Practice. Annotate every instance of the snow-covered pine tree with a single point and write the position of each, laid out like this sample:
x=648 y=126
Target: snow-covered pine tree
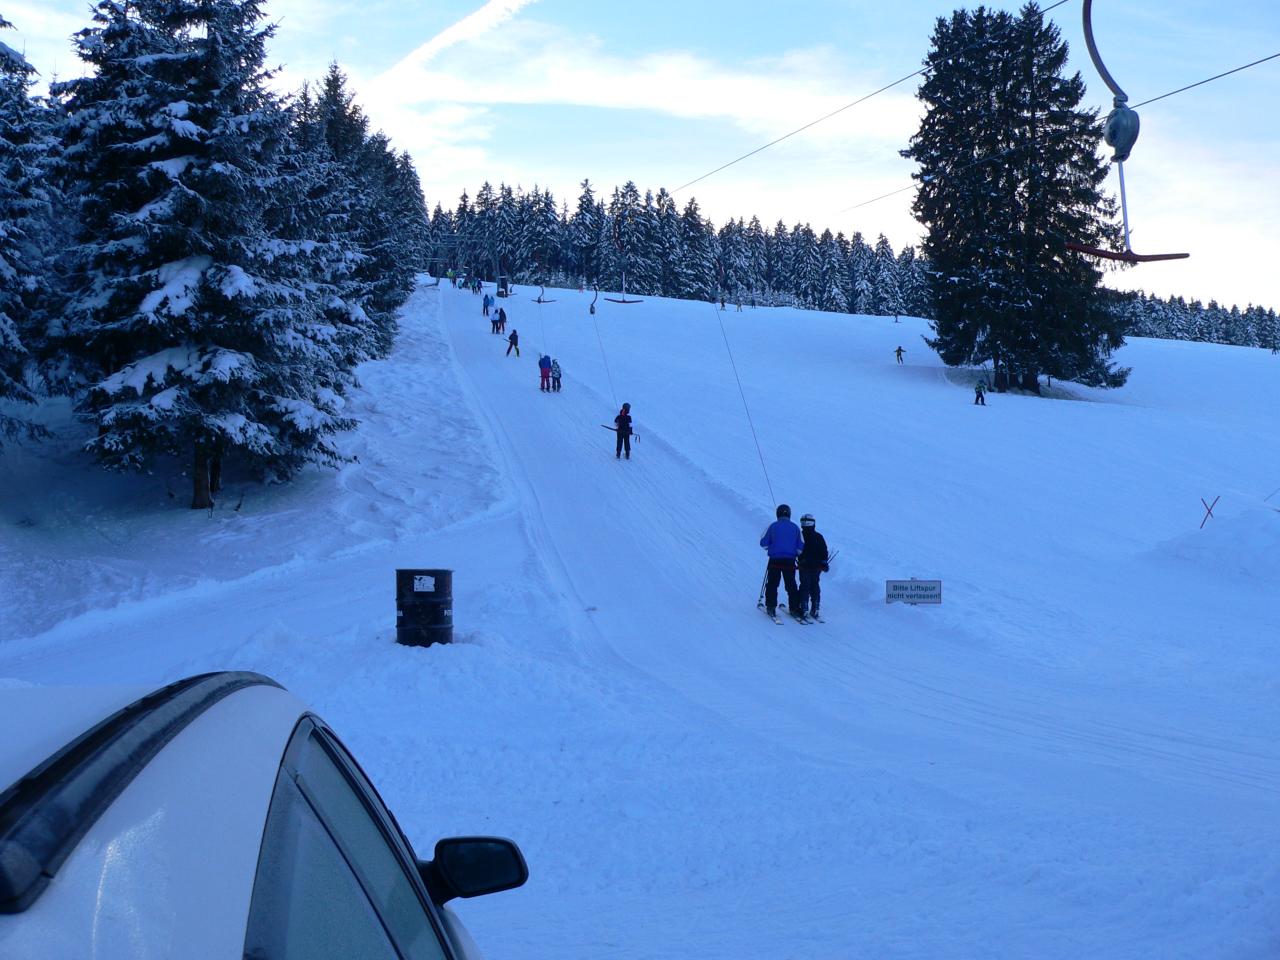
x=807 y=269
x=26 y=220
x=444 y=241
x=584 y=236
x=409 y=215
x=735 y=260
x=831 y=275
x=696 y=276
x=308 y=208
x=544 y=236
x=781 y=276
x=382 y=220
x=666 y=240
x=913 y=283
x=193 y=325
x=481 y=240
x=758 y=251
x=887 y=295
x=640 y=226
x=504 y=235
x=626 y=235
x=1006 y=289
x=467 y=251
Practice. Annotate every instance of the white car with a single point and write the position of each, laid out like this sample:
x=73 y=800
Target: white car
x=215 y=817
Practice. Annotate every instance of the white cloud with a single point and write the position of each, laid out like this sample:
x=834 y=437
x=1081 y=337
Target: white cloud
x=531 y=63
x=471 y=27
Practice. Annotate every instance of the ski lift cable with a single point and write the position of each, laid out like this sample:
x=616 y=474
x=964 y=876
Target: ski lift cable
x=847 y=106
x=743 y=395
x=1200 y=83
x=604 y=356
x=1001 y=153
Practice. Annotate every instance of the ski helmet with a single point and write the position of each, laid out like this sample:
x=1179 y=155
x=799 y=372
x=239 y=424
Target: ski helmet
x=784 y=511
x=807 y=520
x=626 y=407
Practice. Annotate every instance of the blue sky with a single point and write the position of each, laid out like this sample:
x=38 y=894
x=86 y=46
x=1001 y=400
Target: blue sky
x=552 y=91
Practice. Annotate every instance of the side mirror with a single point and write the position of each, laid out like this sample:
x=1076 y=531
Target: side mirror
x=472 y=867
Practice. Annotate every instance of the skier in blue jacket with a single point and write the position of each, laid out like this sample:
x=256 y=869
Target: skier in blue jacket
x=783 y=541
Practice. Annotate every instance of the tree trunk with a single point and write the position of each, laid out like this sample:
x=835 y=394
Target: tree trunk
x=215 y=473
x=201 y=495
x=1030 y=380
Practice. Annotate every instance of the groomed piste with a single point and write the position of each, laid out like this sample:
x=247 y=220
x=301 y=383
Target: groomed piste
x=1072 y=756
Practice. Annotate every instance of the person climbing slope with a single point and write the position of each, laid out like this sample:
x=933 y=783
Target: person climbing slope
x=783 y=543
x=623 y=423
x=812 y=562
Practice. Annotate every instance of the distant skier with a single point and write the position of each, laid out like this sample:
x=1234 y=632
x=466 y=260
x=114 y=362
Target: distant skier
x=555 y=376
x=783 y=542
x=486 y=303
x=813 y=564
x=502 y=320
x=722 y=301
x=623 y=424
x=980 y=393
x=513 y=343
x=898 y=353
x=544 y=373
x=493 y=322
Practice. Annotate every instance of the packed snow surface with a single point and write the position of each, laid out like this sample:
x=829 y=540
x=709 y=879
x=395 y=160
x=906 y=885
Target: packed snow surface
x=1075 y=755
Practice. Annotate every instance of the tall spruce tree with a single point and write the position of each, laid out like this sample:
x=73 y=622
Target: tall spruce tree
x=191 y=323
x=584 y=236
x=696 y=275
x=26 y=216
x=1008 y=172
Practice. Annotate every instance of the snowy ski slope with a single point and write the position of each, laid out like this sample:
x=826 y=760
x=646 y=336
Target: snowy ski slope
x=1075 y=755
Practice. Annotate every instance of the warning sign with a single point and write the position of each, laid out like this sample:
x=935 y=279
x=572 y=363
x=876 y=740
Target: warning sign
x=913 y=591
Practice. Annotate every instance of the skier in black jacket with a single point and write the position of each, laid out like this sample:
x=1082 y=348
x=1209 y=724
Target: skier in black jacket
x=813 y=563
x=623 y=423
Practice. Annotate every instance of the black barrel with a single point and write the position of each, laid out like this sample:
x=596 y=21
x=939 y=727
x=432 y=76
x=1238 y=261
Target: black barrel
x=424 y=607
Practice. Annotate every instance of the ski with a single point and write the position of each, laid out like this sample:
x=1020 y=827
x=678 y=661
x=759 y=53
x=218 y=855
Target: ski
x=799 y=619
x=772 y=616
x=816 y=618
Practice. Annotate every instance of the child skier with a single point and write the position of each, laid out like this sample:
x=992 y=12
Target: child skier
x=980 y=393
x=513 y=343
x=544 y=373
x=623 y=422
x=555 y=376
x=898 y=353
x=783 y=542
x=813 y=564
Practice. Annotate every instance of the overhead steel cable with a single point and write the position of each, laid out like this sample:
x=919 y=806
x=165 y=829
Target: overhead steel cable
x=1201 y=83
x=743 y=394
x=1002 y=153
x=847 y=106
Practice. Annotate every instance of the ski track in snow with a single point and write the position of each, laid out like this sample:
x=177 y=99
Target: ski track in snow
x=1072 y=755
